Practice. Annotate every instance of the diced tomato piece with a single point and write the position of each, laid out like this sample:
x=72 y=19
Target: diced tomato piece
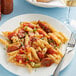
x=18 y=58
x=23 y=48
x=31 y=26
x=21 y=51
x=50 y=51
x=41 y=32
x=28 y=24
x=12 y=48
x=31 y=33
x=40 y=55
x=47 y=62
x=21 y=33
x=52 y=44
x=32 y=39
x=28 y=45
x=10 y=35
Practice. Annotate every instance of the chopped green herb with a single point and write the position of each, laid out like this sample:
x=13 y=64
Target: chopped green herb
x=25 y=28
x=6 y=46
x=32 y=64
x=37 y=65
x=21 y=43
x=27 y=59
x=50 y=41
x=59 y=45
x=55 y=46
x=16 y=40
x=26 y=33
x=42 y=38
x=43 y=27
x=35 y=29
x=8 y=40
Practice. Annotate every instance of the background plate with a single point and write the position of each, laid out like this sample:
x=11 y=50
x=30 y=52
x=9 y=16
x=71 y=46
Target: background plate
x=52 y=4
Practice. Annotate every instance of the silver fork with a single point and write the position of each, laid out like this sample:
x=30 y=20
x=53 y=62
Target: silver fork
x=69 y=48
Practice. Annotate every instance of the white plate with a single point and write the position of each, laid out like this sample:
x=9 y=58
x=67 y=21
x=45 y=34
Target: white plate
x=53 y=3
x=12 y=24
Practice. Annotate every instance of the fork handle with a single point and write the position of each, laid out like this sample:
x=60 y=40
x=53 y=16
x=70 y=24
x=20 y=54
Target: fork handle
x=57 y=70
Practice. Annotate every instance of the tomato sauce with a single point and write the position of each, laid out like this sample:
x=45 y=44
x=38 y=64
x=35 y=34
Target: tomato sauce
x=28 y=24
x=40 y=55
x=44 y=27
x=10 y=35
x=51 y=51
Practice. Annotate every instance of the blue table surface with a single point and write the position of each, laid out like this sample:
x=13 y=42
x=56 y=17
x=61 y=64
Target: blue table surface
x=23 y=7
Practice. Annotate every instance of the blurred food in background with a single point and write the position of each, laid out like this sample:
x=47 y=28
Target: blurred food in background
x=43 y=0
x=69 y=2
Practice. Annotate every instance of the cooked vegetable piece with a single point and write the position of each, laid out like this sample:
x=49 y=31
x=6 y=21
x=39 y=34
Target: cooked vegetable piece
x=47 y=62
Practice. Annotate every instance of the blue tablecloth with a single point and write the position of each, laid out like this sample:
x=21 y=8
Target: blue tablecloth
x=22 y=7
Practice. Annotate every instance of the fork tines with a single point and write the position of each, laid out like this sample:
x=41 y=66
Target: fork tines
x=72 y=41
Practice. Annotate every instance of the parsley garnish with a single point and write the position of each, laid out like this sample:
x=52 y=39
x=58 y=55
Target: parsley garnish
x=43 y=27
x=50 y=41
x=6 y=46
x=21 y=43
x=25 y=28
x=42 y=38
x=26 y=33
x=27 y=59
x=35 y=29
x=59 y=45
x=55 y=46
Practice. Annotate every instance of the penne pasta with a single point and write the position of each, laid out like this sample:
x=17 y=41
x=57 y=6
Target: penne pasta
x=33 y=45
x=47 y=45
x=29 y=67
x=27 y=40
x=53 y=58
x=59 y=36
x=29 y=55
x=53 y=37
x=65 y=39
x=42 y=32
x=40 y=44
x=4 y=42
x=34 y=53
x=13 y=53
x=5 y=34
